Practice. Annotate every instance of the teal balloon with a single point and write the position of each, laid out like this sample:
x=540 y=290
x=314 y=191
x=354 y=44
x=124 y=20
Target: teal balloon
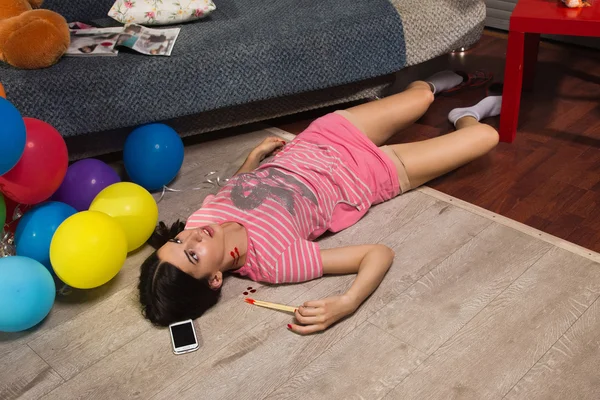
x=27 y=293
x=36 y=228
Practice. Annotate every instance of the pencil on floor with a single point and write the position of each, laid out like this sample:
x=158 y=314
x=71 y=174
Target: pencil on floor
x=274 y=306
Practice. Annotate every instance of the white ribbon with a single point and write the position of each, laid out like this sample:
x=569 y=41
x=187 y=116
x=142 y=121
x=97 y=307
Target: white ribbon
x=212 y=183
x=7 y=246
x=7 y=241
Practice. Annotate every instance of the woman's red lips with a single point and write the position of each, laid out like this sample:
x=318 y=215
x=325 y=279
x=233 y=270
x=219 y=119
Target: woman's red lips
x=208 y=230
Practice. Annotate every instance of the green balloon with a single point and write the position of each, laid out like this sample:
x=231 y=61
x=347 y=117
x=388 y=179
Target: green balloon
x=2 y=212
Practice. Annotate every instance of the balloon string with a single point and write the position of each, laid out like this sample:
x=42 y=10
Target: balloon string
x=218 y=182
x=7 y=247
x=64 y=290
x=7 y=240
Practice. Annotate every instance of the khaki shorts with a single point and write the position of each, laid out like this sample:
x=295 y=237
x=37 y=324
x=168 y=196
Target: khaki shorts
x=388 y=151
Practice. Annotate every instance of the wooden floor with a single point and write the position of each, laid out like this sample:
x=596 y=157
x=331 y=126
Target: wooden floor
x=475 y=306
x=549 y=178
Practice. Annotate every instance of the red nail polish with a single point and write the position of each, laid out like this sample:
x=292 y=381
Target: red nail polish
x=289 y=326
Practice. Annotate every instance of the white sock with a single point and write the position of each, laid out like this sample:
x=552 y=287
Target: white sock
x=488 y=107
x=444 y=80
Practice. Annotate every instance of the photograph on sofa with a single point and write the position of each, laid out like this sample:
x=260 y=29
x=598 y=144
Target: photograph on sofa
x=96 y=42
x=103 y=41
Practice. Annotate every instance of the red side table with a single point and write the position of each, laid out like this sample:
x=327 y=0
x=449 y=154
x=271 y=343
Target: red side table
x=529 y=19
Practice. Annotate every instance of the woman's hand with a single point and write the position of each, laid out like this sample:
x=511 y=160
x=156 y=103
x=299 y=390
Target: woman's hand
x=370 y=262
x=318 y=315
x=271 y=145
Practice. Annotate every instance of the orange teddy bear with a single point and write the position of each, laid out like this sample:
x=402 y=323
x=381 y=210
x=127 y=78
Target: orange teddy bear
x=31 y=38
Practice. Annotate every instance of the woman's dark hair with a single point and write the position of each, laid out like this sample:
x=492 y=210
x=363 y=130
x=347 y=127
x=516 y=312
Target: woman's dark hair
x=168 y=294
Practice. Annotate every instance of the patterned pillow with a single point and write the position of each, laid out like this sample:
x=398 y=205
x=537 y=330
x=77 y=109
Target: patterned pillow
x=160 y=12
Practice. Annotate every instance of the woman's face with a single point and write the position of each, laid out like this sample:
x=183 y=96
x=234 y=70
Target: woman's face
x=198 y=252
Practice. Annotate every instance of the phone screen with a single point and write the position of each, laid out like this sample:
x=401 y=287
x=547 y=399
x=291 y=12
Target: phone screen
x=183 y=335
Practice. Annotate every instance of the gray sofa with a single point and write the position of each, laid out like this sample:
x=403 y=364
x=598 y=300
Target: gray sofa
x=248 y=61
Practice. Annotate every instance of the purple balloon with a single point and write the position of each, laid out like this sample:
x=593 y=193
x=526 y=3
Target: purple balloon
x=83 y=181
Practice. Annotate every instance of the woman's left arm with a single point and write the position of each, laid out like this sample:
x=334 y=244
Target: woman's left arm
x=370 y=262
x=266 y=147
x=249 y=165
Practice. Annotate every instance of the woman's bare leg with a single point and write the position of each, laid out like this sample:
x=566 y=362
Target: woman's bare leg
x=380 y=119
x=428 y=159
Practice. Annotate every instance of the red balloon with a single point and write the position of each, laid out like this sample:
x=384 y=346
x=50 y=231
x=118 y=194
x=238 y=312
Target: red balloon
x=42 y=167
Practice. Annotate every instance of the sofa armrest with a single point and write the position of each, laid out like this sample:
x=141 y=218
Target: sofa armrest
x=433 y=28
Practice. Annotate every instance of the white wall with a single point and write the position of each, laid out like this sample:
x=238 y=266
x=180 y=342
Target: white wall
x=498 y=13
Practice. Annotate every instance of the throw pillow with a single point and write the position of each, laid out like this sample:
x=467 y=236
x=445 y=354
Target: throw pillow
x=160 y=12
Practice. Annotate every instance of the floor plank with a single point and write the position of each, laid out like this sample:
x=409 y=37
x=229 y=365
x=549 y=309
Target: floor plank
x=146 y=364
x=582 y=171
x=440 y=303
x=570 y=368
x=258 y=361
x=75 y=302
x=381 y=220
x=334 y=374
x=24 y=375
x=492 y=352
x=420 y=245
x=82 y=341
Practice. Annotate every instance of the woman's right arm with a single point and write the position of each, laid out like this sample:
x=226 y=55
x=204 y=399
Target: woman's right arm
x=369 y=262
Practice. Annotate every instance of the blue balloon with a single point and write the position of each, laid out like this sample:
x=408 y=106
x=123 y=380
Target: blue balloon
x=12 y=136
x=153 y=155
x=36 y=228
x=27 y=293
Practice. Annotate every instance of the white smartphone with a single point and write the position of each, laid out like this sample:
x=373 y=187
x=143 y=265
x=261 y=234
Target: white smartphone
x=183 y=337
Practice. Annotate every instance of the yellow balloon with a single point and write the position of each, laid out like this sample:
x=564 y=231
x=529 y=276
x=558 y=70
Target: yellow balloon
x=132 y=207
x=88 y=249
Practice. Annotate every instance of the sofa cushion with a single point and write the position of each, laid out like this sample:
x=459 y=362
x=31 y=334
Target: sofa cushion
x=80 y=10
x=245 y=51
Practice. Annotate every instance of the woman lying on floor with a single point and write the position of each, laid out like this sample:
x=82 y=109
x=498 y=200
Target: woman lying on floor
x=262 y=223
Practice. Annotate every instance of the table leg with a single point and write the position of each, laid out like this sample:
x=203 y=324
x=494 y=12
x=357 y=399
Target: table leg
x=513 y=80
x=532 y=44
